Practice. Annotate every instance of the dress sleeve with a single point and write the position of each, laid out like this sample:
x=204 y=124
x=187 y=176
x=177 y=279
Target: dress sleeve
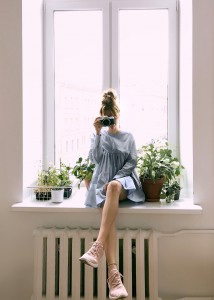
x=130 y=162
x=95 y=152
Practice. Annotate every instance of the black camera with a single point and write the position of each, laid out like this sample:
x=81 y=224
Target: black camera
x=107 y=121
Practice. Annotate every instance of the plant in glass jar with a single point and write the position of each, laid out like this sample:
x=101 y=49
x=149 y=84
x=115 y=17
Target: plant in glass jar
x=43 y=190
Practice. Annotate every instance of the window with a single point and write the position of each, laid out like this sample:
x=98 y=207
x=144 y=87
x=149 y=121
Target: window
x=92 y=45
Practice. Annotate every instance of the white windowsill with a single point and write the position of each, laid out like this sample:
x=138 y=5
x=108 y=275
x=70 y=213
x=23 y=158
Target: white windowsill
x=76 y=204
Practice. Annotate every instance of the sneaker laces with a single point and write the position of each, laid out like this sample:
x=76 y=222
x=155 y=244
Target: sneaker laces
x=115 y=279
x=96 y=249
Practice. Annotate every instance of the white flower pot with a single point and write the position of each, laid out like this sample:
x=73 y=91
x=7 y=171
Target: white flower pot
x=57 y=196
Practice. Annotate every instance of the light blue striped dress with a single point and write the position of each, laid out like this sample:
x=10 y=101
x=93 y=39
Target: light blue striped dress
x=115 y=158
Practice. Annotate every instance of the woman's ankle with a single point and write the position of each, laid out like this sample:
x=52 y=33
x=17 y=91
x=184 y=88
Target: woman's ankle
x=100 y=242
x=111 y=266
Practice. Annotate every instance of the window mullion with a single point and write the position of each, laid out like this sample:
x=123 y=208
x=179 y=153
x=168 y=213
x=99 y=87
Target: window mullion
x=173 y=108
x=114 y=46
x=106 y=46
x=48 y=89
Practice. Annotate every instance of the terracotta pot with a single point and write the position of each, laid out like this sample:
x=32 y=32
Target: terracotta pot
x=87 y=183
x=152 y=188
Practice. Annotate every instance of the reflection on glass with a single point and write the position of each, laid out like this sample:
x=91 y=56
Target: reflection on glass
x=143 y=73
x=78 y=80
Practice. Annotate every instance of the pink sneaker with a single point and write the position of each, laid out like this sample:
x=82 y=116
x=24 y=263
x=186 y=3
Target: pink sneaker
x=93 y=255
x=116 y=288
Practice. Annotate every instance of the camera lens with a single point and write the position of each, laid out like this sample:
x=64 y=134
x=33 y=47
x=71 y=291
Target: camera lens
x=106 y=122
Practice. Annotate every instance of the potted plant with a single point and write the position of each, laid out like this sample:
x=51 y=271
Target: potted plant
x=43 y=190
x=177 y=188
x=171 y=190
x=83 y=170
x=60 y=182
x=54 y=179
x=65 y=176
x=156 y=165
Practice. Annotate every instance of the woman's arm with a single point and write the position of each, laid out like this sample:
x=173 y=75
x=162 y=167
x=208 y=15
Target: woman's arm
x=95 y=153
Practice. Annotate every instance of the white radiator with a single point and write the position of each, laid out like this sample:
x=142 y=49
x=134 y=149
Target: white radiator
x=58 y=273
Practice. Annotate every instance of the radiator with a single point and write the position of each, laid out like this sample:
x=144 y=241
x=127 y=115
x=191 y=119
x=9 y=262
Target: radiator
x=58 y=273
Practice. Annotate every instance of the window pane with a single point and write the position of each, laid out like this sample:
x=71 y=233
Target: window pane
x=78 y=80
x=143 y=71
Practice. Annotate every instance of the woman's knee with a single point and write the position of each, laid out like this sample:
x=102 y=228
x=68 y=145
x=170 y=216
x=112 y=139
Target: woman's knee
x=114 y=186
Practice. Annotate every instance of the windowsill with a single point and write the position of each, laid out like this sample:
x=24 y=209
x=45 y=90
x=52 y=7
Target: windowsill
x=76 y=204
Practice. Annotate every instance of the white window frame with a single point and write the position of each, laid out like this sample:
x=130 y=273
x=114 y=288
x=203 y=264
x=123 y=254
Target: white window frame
x=110 y=9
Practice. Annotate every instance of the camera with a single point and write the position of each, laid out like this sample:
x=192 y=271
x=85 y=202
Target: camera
x=107 y=121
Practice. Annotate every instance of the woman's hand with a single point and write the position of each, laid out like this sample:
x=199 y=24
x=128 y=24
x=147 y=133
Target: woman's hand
x=97 y=125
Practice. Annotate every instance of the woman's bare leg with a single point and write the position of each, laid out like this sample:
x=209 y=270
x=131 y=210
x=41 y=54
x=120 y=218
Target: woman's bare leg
x=115 y=192
x=106 y=240
x=111 y=240
x=116 y=288
x=110 y=247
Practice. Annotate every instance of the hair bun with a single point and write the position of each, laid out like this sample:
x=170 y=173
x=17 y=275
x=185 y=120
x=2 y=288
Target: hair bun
x=109 y=102
x=109 y=97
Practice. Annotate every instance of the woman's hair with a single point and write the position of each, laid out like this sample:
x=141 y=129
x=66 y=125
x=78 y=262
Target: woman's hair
x=110 y=104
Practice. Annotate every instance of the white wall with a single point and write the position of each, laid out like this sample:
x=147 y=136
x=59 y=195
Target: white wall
x=16 y=242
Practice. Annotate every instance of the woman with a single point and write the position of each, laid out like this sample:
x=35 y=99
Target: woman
x=114 y=153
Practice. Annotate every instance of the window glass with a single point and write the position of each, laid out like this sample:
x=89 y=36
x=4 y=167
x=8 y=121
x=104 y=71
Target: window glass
x=143 y=73
x=78 y=80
